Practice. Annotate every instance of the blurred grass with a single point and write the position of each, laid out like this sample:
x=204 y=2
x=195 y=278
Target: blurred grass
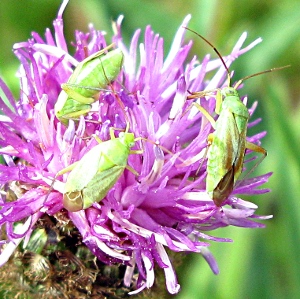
x=261 y=263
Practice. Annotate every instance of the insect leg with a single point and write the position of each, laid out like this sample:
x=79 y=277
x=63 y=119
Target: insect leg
x=75 y=95
x=258 y=149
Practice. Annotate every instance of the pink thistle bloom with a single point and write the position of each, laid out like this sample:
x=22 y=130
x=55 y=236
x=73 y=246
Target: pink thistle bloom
x=139 y=217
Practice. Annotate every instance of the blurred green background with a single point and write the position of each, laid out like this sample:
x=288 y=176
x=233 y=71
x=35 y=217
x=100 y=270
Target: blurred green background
x=261 y=263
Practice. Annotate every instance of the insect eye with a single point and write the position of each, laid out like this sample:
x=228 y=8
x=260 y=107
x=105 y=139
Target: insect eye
x=229 y=91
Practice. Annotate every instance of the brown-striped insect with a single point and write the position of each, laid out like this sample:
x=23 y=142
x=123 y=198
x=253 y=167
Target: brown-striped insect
x=227 y=144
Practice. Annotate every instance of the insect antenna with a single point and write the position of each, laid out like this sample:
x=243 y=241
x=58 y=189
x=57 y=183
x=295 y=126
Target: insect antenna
x=121 y=104
x=215 y=49
x=238 y=83
x=86 y=50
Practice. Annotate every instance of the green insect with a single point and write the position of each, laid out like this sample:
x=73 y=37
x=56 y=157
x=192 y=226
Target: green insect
x=97 y=171
x=96 y=71
x=227 y=144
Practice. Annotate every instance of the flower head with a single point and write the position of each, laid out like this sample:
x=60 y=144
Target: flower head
x=166 y=205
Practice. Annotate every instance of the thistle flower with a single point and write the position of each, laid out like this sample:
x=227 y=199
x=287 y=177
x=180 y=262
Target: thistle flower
x=166 y=206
